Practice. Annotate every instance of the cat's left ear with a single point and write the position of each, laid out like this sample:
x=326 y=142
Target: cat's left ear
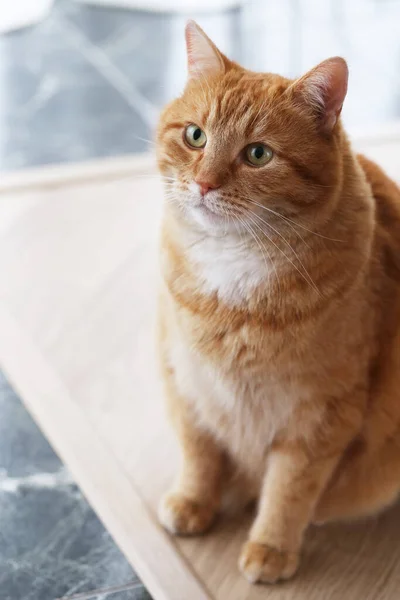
x=324 y=89
x=204 y=58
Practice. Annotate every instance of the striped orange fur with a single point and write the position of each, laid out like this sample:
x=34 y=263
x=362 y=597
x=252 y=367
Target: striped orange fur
x=279 y=310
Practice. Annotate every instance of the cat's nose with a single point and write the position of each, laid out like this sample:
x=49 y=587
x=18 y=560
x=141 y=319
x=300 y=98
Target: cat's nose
x=206 y=186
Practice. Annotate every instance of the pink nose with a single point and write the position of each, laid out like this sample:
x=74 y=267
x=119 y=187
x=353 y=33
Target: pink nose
x=206 y=186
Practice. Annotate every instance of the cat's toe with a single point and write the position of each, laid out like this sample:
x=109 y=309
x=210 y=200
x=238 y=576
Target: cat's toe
x=261 y=563
x=183 y=516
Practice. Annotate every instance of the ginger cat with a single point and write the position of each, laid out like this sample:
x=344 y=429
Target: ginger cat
x=279 y=320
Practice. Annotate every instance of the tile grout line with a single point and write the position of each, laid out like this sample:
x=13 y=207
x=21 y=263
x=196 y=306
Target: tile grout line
x=109 y=590
x=103 y=65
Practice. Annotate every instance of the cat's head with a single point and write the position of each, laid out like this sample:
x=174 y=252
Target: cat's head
x=239 y=146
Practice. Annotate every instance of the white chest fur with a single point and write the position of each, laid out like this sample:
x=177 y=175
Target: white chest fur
x=244 y=413
x=228 y=266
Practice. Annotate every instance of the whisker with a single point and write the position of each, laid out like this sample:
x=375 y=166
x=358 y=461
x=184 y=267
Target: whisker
x=285 y=241
x=274 y=212
x=308 y=279
x=289 y=224
x=258 y=241
x=273 y=265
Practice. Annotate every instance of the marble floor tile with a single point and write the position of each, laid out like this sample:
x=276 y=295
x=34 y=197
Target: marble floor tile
x=23 y=450
x=134 y=592
x=51 y=542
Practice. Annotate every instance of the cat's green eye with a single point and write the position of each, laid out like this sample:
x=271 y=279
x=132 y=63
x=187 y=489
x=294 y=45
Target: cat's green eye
x=258 y=155
x=195 y=137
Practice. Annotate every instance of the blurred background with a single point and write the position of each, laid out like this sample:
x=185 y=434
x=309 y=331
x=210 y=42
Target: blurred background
x=82 y=80
x=88 y=80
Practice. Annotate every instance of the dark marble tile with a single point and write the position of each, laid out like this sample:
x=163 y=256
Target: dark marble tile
x=136 y=593
x=51 y=542
x=23 y=450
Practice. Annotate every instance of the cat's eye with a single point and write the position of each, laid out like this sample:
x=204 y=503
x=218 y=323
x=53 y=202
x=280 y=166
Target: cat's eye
x=195 y=137
x=258 y=155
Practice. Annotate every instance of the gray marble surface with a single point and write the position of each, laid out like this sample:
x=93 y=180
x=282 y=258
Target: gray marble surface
x=52 y=545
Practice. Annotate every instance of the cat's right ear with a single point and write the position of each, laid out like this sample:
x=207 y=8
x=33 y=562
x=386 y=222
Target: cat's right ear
x=324 y=89
x=204 y=58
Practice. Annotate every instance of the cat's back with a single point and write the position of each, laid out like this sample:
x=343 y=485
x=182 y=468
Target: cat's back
x=387 y=202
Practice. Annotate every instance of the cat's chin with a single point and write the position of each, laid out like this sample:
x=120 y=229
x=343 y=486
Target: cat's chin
x=210 y=221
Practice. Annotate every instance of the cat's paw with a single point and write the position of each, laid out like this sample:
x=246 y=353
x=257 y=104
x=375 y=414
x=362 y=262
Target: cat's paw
x=182 y=516
x=264 y=564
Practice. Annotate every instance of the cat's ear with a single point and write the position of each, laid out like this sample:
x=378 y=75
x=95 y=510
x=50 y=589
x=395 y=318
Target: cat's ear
x=204 y=58
x=324 y=89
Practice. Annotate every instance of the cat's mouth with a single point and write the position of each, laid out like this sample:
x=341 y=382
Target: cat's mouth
x=210 y=209
x=208 y=213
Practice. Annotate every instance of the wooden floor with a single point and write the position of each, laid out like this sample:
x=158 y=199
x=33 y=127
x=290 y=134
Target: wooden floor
x=78 y=264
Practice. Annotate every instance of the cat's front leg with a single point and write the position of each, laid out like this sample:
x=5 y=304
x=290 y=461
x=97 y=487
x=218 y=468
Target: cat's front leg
x=291 y=489
x=191 y=506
